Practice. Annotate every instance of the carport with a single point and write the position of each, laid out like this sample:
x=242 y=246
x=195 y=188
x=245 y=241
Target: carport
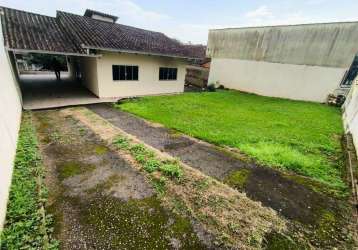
x=42 y=91
x=25 y=33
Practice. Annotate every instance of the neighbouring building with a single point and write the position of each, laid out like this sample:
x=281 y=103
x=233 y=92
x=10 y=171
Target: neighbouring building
x=114 y=60
x=302 y=62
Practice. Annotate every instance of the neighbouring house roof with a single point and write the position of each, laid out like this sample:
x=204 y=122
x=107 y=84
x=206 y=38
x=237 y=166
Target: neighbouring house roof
x=70 y=33
x=197 y=50
x=90 y=13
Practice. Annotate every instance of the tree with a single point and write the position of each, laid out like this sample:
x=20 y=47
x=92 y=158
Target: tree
x=45 y=60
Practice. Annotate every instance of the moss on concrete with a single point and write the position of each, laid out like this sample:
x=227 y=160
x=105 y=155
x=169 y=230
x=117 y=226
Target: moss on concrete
x=72 y=168
x=238 y=178
x=100 y=150
x=277 y=241
x=138 y=224
x=317 y=186
x=106 y=185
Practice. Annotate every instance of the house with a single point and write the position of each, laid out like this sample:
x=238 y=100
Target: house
x=302 y=62
x=114 y=60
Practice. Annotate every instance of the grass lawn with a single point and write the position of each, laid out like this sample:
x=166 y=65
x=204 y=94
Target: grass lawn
x=297 y=136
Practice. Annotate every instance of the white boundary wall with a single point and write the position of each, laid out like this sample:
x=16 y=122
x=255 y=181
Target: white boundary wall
x=350 y=113
x=10 y=118
x=298 y=82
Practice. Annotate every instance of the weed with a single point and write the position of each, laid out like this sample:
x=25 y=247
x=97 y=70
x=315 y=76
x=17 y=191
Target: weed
x=151 y=165
x=82 y=131
x=148 y=159
x=121 y=142
x=202 y=185
x=55 y=136
x=25 y=227
x=159 y=184
x=171 y=170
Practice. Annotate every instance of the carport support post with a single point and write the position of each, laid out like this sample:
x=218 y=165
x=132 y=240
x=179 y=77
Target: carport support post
x=71 y=61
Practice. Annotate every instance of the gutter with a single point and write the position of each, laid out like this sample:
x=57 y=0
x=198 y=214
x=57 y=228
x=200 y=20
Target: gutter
x=49 y=52
x=136 y=52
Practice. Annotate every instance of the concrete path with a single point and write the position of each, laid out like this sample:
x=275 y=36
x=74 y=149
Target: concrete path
x=43 y=91
x=99 y=200
x=273 y=188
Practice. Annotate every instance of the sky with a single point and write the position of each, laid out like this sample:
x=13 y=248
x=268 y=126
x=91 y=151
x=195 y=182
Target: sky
x=190 y=20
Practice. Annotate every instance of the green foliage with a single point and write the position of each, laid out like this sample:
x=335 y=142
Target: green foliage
x=148 y=159
x=171 y=169
x=151 y=165
x=25 y=227
x=121 y=142
x=45 y=60
x=298 y=136
x=159 y=184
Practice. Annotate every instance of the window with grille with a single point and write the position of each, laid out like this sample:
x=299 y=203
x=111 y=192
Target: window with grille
x=166 y=74
x=125 y=73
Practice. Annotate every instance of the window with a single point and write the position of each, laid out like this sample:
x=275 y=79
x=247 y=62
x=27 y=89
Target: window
x=168 y=74
x=125 y=73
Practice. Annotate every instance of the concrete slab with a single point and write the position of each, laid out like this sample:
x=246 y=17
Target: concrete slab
x=43 y=91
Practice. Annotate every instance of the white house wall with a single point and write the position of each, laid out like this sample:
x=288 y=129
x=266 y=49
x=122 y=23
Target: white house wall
x=88 y=67
x=10 y=118
x=298 y=82
x=148 y=75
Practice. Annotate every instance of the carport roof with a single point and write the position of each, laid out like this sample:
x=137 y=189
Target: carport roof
x=75 y=34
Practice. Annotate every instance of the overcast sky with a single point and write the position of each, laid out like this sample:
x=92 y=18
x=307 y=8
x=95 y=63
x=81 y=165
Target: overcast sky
x=190 y=20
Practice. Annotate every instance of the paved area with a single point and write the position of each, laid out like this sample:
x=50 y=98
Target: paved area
x=274 y=189
x=43 y=91
x=98 y=199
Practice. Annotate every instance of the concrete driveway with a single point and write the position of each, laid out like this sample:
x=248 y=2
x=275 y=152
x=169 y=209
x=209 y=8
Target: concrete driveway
x=41 y=91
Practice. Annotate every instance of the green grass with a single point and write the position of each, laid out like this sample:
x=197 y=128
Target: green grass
x=302 y=137
x=26 y=227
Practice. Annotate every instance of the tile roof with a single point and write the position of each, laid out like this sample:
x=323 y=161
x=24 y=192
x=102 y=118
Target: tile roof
x=70 y=33
x=96 y=34
x=28 y=31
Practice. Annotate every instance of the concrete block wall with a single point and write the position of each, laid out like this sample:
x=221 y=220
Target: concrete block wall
x=303 y=62
x=10 y=118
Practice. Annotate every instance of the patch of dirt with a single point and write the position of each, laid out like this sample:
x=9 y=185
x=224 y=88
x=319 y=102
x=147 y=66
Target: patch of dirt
x=303 y=206
x=98 y=199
